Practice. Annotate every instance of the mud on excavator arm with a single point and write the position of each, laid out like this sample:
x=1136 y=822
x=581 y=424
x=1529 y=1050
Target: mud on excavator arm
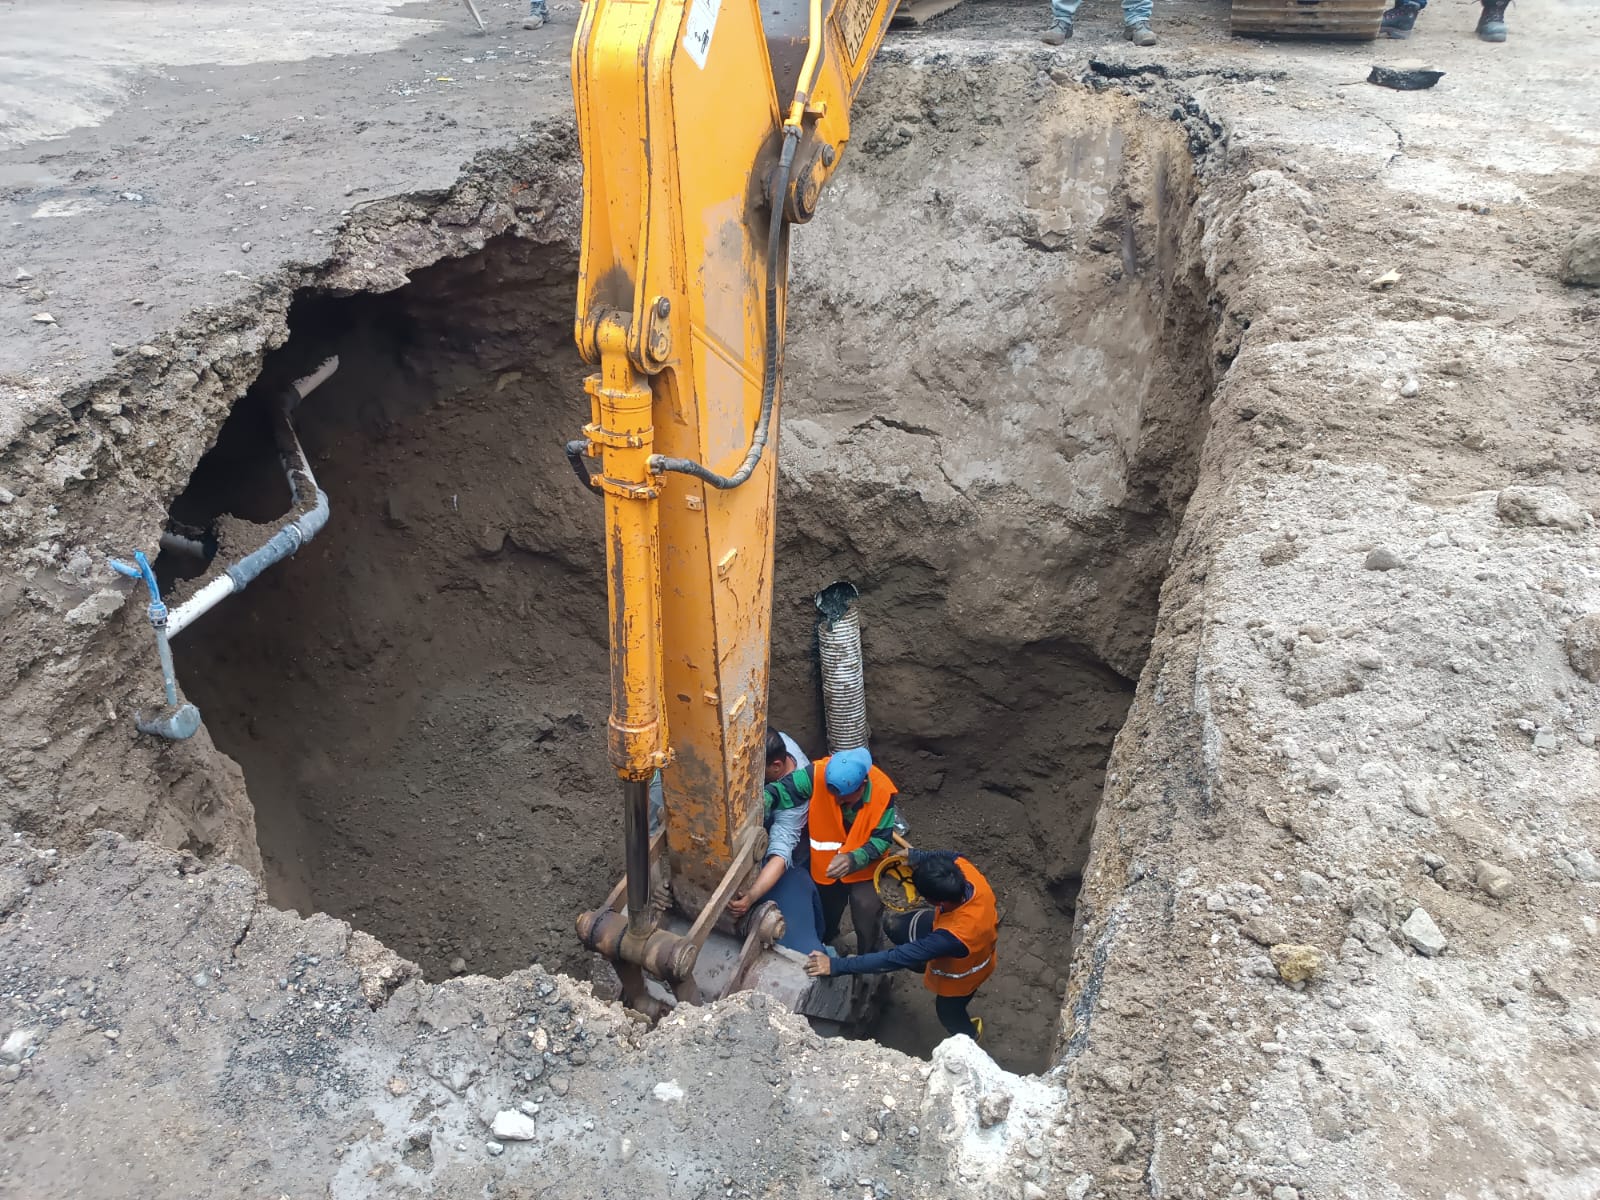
x=706 y=127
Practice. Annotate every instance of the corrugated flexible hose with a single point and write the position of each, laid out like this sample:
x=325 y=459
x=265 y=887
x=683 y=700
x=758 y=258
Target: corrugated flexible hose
x=844 y=689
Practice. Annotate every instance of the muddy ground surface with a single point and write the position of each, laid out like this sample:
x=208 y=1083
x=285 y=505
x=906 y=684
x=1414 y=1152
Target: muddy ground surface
x=1317 y=748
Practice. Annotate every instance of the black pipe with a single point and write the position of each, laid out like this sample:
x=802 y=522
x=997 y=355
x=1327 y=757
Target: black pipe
x=636 y=851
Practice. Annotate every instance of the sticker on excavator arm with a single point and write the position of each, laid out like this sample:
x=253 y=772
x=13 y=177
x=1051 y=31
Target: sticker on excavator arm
x=698 y=28
x=892 y=880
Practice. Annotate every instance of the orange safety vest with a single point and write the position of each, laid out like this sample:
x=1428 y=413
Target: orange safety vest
x=977 y=924
x=828 y=836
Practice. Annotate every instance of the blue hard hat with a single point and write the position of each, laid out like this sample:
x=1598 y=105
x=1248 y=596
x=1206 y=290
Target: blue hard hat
x=847 y=770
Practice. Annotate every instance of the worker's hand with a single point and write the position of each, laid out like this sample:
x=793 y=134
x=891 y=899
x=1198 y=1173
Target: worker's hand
x=819 y=964
x=740 y=904
x=840 y=866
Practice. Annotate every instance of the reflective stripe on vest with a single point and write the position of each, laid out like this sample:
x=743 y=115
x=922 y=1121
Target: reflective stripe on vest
x=962 y=974
x=816 y=845
x=975 y=923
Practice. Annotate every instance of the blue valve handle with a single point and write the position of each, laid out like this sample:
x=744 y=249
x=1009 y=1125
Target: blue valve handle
x=158 y=620
x=158 y=610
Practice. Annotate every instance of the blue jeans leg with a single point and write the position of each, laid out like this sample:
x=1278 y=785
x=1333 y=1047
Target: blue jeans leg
x=1136 y=12
x=796 y=897
x=1061 y=11
x=536 y=8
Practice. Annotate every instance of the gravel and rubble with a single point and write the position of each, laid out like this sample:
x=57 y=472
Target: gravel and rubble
x=318 y=1068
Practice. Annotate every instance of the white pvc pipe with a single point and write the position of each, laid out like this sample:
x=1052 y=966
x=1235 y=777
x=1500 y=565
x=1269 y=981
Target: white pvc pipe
x=197 y=605
x=292 y=536
x=304 y=387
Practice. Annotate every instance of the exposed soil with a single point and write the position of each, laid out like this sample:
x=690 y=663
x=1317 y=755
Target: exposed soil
x=418 y=700
x=419 y=705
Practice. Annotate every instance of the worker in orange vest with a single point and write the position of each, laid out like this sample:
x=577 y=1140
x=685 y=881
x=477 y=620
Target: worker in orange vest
x=851 y=825
x=953 y=941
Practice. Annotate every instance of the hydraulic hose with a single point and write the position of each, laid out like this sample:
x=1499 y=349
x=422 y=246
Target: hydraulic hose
x=769 y=381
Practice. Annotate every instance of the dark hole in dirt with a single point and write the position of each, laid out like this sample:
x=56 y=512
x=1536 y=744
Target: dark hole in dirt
x=993 y=443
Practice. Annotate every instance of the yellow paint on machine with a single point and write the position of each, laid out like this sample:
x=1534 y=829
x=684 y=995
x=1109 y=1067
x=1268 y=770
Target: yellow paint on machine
x=681 y=124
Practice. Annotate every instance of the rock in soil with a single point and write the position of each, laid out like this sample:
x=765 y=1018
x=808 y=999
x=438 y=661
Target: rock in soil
x=1540 y=506
x=1297 y=963
x=512 y=1126
x=1583 y=646
x=17 y=1044
x=1495 y=880
x=1419 y=929
x=1580 y=265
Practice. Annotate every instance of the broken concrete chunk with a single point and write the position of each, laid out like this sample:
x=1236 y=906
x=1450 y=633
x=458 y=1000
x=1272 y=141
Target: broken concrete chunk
x=1370 y=904
x=1584 y=867
x=1494 y=879
x=668 y=1092
x=1311 y=884
x=1540 y=506
x=1583 y=646
x=1263 y=932
x=1424 y=936
x=993 y=1107
x=1580 y=265
x=1297 y=963
x=512 y=1126
x=1321 y=779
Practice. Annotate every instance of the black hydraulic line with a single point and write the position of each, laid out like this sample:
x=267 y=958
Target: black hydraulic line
x=769 y=382
x=577 y=451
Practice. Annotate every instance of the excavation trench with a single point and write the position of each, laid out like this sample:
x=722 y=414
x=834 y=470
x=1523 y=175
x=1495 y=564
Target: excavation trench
x=996 y=385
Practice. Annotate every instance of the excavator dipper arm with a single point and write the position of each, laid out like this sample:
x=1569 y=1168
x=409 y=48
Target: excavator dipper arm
x=707 y=127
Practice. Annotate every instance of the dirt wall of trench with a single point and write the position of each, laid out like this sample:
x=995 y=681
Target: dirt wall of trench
x=994 y=440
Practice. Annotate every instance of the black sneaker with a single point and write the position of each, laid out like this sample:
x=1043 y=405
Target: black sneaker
x=1400 y=20
x=1492 y=24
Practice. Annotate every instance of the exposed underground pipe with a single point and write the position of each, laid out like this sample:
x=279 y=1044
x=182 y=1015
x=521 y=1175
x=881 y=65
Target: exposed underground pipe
x=176 y=722
x=304 y=489
x=179 y=544
x=844 y=688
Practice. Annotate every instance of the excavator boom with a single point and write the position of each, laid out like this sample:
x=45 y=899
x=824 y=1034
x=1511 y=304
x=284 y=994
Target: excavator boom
x=705 y=131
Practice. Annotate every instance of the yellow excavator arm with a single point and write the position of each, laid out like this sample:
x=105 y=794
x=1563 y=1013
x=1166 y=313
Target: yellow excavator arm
x=707 y=127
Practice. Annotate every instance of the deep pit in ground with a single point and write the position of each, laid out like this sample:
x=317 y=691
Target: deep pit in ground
x=996 y=387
